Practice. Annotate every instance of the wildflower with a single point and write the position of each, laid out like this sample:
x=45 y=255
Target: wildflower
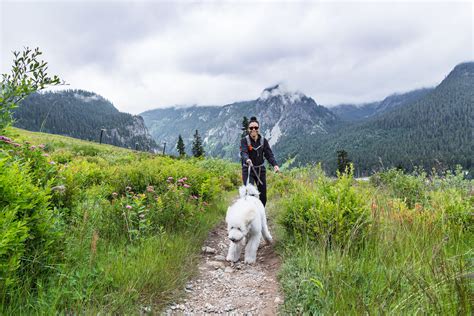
x=45 y=155
x=16 y=144
x=128 y=207
x=142 y=216
x=150 y=189
x=205 y=203
x=42 y=146
x=114 y=194
x=33 y=147
x=128 y=188
x=52 y=162
x=186 y=185
x=181 y=180
x=170 y=178
x=185 y=178
x=5 y=139
x=194 y=197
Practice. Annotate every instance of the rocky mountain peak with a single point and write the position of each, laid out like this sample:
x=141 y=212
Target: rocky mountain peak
x=281 y=93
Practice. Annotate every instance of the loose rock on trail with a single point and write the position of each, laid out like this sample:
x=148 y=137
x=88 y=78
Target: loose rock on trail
x=222 y=287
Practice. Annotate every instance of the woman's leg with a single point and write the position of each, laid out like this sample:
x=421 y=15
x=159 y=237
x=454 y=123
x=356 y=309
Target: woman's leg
x=262 y=188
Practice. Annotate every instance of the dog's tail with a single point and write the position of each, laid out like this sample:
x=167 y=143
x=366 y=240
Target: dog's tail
x=265 y=232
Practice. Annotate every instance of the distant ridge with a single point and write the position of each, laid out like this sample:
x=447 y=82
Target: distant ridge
x=82 y=114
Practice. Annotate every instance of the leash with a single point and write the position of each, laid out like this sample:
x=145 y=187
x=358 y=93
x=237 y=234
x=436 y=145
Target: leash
x=251 y=167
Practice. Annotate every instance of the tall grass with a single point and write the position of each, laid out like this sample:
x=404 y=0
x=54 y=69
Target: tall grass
x=130 y=225
x=416 y=256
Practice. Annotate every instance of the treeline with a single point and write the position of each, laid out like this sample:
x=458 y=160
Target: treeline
x=436 y=131
x=83 y=115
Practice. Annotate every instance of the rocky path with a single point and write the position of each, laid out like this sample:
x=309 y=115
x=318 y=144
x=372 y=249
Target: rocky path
x=231 y=289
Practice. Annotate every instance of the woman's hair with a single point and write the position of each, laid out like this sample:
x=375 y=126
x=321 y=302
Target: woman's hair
x=254 y=119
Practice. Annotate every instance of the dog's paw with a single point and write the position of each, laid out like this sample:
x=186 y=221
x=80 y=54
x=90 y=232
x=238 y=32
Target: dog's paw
x=231 y=259
x=250 y=260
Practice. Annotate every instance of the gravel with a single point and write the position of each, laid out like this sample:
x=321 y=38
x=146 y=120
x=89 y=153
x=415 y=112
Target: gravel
x=231 y=288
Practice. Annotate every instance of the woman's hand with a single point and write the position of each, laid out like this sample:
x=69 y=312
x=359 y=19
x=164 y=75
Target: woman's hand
x=249 y=162
x=276 y=169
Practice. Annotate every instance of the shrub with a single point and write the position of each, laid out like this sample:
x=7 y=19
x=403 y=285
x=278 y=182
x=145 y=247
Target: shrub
x=332 y=211
x=411 y=188
x=30 y=229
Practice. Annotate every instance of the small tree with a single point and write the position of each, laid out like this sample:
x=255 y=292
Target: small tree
x=245 y=126
x=28 y=75
x=198 y=150
x=343 y=162
x=180 y=147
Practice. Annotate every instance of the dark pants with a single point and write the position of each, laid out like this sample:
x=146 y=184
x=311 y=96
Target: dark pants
x=262 y=188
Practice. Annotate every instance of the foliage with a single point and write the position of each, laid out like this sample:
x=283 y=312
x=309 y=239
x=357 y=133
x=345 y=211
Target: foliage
x=198 y=149
x=416 y=255
x=82 y=114
x=180 y=147
x=447 y=194
x=32 y=229
x=434 y=130
x=328 y=210
x=343 y=161
x=71 y=210
x=28 y=75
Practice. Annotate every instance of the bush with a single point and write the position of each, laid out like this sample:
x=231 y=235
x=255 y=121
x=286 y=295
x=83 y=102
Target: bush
x=411 y=188
x=332 y=211
x=30 y=230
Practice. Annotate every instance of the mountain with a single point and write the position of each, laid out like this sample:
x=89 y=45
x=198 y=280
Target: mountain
x=83 y=114
x=436 y=130
x=354 y=112
x=431 y=127
x=281 y=113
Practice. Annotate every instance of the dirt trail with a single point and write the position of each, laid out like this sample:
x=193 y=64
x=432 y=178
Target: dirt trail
x=232 y=289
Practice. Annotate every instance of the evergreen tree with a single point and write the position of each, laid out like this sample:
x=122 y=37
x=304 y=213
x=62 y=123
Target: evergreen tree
x=180 y=147
x=198 y=150
x=343 y=161
x=245 y=126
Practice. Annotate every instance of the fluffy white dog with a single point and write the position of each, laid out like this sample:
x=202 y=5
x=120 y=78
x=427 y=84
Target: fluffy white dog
x=246 y=221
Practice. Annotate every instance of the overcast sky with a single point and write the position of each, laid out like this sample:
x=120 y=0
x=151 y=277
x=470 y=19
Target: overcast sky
x=150 y=54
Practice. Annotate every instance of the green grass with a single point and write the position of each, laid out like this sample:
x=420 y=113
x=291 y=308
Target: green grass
x=413 y=260
x=111 y=259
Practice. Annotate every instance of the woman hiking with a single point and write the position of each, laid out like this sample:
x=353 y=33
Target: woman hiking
x=253 y=149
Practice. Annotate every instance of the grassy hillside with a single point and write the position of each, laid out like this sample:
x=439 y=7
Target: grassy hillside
x=89 y=228
x=399 y=244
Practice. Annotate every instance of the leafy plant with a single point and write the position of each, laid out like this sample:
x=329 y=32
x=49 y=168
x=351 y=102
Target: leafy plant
x=28 y=75
x=331 y=211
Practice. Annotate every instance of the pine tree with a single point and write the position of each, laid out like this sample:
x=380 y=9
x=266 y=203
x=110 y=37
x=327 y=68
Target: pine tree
x=180 y=147
x=198 y=150
x=343 y=162
x=245 y=126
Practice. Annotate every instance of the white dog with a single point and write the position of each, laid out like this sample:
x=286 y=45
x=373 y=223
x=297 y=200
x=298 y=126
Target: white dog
x=246 y=220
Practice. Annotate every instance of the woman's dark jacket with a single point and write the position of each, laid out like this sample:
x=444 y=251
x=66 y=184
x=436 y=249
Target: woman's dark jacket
x=256 y=155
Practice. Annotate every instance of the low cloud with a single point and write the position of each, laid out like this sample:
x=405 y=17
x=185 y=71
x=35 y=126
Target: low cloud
x=156 y=54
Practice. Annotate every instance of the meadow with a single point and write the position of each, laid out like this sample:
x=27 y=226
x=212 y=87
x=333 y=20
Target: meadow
x=89 y=228
x=398 y=244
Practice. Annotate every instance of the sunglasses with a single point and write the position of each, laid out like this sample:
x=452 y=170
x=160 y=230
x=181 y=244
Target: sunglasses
x=253 y=128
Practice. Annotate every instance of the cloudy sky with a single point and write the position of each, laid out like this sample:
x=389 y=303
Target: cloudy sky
x=150 y=54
